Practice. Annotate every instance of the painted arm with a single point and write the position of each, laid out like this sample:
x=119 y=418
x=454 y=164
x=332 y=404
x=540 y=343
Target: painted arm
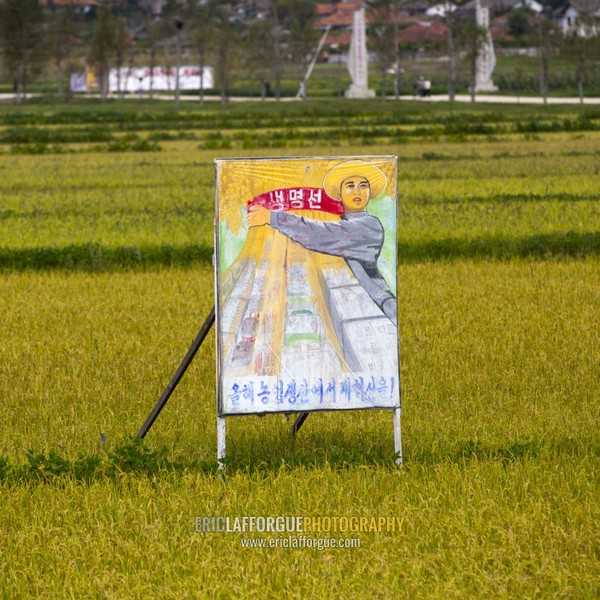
x=359 y=239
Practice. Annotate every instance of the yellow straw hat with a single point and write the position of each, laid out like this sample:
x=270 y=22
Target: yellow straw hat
x=354 y=168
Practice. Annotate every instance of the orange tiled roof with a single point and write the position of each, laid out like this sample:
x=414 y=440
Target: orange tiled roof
x=71 y=2
x=423 y=32
x=336 y=15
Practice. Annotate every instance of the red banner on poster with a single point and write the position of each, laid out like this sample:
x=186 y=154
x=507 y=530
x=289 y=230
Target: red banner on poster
x=298 y=198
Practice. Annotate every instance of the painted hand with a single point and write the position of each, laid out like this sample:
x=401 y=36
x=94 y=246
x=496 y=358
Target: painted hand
x=258 y=216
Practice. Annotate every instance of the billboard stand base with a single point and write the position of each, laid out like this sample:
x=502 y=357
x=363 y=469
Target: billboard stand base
x=221 y=444
x=397 y=437
x=221 y=428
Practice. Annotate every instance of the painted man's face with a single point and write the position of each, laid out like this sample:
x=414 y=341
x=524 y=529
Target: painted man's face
x=355 y=192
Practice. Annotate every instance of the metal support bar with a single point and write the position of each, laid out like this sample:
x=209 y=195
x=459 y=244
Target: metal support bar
x=298 y=423
x=302 y=91
x=185 y=363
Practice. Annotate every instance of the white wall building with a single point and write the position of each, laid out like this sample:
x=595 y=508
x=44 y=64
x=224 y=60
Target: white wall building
x=580 y=16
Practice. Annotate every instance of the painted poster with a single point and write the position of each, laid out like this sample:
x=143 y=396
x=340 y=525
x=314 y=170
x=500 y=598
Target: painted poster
x=306 y=284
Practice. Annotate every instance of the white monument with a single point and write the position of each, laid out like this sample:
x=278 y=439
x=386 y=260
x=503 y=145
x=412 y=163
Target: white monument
x=486 y=58
x=358 y=59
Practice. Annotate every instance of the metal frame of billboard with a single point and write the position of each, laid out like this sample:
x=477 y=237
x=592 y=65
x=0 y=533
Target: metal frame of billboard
x=246 y=360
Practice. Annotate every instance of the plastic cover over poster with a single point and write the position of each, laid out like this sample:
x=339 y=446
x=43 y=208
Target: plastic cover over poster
x=306 y=289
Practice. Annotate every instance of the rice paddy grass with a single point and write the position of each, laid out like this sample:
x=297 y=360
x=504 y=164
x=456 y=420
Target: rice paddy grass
x=106 y=277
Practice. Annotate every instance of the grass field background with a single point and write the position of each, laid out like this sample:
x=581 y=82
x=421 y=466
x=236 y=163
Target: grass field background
x=106 y=278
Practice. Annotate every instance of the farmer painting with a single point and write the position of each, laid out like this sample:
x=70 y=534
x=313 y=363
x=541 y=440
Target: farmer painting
x=357 y=237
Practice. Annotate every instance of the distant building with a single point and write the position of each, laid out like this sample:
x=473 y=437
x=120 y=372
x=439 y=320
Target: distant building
x=155 y=6
x=440 y=10
x=532 y=5
x=83 y=5
x=338 y=16
x=579 y=16
x=499 y=7
x=499 y=27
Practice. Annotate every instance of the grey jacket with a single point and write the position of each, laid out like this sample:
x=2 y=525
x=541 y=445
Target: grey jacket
x=357 y=238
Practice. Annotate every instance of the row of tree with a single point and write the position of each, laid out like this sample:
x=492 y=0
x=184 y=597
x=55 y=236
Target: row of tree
x=465 y=40
x=212 y=32
x=215 y=32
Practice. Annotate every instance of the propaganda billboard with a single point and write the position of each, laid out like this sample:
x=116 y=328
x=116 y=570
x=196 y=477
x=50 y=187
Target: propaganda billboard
x=306 y=262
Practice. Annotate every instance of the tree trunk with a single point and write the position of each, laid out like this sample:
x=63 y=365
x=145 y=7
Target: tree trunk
x=580 y=65
x=277 y=49
x=223 y=73
x=178 y=67
x=129 y=70
x=544 y=44
x=59 y=78
x=18 y=98
x=201 y=92
x=152 y=66
x=339 y=74
x=278 y=78
x=397 y=73
x=24 y=82
x=168 y=62
x=473 y=74
x=451 y=63
x=544 y=76
x=103 y=82
x=262 y=75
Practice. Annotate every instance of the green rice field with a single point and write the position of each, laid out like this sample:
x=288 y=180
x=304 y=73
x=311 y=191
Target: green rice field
x=106 y=241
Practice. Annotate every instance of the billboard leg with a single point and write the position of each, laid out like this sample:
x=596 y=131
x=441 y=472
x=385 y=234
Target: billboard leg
x=185 y=363
x=298 y=423
x=397 y=437
x=221 y=442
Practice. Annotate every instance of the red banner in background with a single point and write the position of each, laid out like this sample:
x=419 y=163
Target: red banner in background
x=298 y=198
